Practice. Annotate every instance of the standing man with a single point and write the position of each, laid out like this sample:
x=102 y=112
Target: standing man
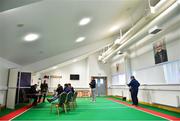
x=92 y=85
x=44 y=89
x=134 y=85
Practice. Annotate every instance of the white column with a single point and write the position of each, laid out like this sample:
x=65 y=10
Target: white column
x=12 y=86
x=128 y=72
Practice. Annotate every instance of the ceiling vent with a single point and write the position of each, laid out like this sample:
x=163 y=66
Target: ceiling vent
x=155 y=30
x=119 y=53
x=153 y=2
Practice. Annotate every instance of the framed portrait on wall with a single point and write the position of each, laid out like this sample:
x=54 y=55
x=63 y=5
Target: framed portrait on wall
x=160 y=52
x=117 y=67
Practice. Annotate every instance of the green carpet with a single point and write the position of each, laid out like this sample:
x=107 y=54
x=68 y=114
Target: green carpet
x=153 y=108
x=102 y=109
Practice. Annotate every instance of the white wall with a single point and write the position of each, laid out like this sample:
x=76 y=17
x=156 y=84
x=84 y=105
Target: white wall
x=155 y=88
x=85 y=68
x=116 y=60
x=117 y=68
x=79 y=67
x=96 y=68
x=144 y=66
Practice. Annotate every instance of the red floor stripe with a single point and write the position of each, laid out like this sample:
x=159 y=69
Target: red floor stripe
x=15 y=113
x=172 y=118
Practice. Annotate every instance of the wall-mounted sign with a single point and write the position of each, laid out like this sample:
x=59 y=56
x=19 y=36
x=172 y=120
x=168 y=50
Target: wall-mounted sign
x=55 y=76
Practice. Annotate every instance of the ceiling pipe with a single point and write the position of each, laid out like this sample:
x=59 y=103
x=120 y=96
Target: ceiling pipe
x=114 y=46
x=142 y=22
x=156 y=7
x=134 y=31
x=170 y=13
x=172 y=25
x=108 y=51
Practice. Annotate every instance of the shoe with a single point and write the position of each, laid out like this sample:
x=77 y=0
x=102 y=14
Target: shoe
x=136 y=105
x=34 y=104
x=49 y=100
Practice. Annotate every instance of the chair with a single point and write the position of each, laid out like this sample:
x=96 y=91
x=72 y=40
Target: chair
x=61 y=102
x=25 y=97
x=74 y=103
x=69 y=100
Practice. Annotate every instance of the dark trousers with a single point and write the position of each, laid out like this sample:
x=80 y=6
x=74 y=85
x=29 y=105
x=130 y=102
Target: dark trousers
x=35 y=98
x=44 y=96
x=134 y=94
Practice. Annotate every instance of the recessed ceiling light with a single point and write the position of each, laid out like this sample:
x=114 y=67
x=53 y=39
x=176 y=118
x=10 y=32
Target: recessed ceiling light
x=84 y=21
x=31 y=37
x=55 y=67
x=75 y=60
x=114 y=28
x=80 y=39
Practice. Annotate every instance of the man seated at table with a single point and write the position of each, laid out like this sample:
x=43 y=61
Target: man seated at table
x=71 y=88
x=33 y=93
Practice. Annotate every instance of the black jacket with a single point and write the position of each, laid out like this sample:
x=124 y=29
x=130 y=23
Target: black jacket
x=44 y=87
x=161 y=57
x=32 y=90
x=134 y=84
x=59 y=90
x=92 y=84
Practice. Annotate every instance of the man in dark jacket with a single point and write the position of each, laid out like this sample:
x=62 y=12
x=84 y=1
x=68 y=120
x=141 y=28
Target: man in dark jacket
x=33 y=94
x=134 y=85
x=92 y=85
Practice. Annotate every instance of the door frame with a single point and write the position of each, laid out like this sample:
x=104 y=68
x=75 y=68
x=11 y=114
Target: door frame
x=105 y=78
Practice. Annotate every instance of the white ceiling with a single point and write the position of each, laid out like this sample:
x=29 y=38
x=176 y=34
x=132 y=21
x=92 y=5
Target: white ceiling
x=57 y=23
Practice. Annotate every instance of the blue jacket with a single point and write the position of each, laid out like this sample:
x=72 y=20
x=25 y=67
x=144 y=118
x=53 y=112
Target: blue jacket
x=67 y=89
x=134 y=84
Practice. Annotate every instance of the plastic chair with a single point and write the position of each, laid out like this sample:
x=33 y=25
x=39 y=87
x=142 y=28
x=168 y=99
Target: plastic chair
x=69 y=100
x=61 y=102
x=74 y=103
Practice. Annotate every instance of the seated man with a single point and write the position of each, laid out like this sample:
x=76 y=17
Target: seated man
x=33 y=94
x=59 y=90
x=67 y=89
x=71 y=88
